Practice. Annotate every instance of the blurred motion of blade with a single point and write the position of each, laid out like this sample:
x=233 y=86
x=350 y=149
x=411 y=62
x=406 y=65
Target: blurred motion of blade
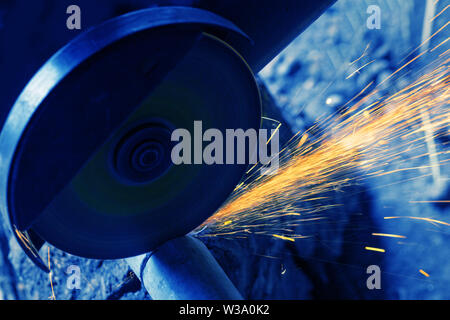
x=80 y=200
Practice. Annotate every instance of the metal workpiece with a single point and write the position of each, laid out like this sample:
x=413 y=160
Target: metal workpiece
x=183 y=269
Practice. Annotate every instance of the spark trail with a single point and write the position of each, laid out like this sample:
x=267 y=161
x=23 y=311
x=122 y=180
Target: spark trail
x=371 y=137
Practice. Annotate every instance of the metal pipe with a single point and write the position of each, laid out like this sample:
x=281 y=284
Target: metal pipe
x=183 y=269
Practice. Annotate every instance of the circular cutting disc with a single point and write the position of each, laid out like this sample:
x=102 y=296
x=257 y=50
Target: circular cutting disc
x=101 y=156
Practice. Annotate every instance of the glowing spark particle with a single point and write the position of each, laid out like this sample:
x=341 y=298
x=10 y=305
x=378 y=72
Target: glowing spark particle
x=25 y=241
x=388 y=235
x=283 y=270
x=420 y=218
x=442 y=11
x=359 y=94
x=440 y=44
x=50 y=276
x=238 y=186
x=427 y=40
x=273 y=134
x=375 y=249
x=283 y=238
x=302 y=140
x=362 y=56
x=424 y=273
x=431 y=201
x=404 y=66
x=374 y=138
x=359 y=69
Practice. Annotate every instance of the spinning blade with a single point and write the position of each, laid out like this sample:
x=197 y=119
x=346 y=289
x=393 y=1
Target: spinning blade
x=87 y=143
x=102 y=214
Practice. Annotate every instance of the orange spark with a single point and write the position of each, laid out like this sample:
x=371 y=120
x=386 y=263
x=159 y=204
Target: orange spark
x=375 y=249
x=388 y=235
x=368 y=137
x=283 y=237
x=50 y=276
x=442 y=11
x=421 y=218
x=424 y=273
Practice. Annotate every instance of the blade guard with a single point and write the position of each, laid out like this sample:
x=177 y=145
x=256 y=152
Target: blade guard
x=189 y=24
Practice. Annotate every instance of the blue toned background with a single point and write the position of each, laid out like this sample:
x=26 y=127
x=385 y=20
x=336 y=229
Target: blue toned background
x=306 y=81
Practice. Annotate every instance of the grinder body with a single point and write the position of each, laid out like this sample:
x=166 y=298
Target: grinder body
x=64 y=179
